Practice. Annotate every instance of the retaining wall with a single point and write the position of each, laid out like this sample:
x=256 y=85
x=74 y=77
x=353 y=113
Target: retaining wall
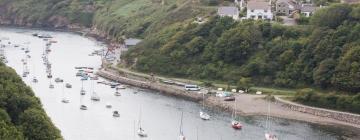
x=163 y=88
x=338 y=115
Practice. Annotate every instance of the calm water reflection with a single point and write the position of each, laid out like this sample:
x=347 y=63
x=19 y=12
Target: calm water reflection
x=160 y=114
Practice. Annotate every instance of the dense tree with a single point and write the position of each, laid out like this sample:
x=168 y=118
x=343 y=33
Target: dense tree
x=323 y=54
x=21 y=115
x=332 y=16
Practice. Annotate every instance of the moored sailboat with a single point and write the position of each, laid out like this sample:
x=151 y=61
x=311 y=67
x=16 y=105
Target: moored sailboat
x=82 y=91
x=117 y=93
x=203 y=114
x=269 y=135
x=235 y=123
x=181 y=135
x=141 y=132
x=64 y=98
x=94 y=96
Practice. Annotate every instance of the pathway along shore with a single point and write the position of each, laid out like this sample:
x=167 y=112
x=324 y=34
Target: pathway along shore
x=247 y=104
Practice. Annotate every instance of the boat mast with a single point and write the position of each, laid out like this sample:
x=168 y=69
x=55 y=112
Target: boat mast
x=134 y=129
x=234 y=111
x=268 y=117
x=181 y=124
x=139 y=123
x=203 y=101
x=92 y=88
x=197 y=133
x=63 y=93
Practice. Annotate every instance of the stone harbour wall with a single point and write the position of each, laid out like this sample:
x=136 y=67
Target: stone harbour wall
x=163 y=88
x=337 y=115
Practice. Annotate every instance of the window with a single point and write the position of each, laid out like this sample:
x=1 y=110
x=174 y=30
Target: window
x=265 y=11
x=252 y=10
x=252 y=17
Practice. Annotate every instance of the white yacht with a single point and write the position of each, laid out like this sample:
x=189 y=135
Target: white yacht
x=117 y=93
x=141 y=132
x=204 y=115
x=65 y=100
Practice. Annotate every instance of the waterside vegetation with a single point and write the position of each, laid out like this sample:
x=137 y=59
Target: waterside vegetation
x=21 y=113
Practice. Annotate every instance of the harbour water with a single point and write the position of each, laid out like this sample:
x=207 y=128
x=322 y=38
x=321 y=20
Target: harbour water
x=160 y=114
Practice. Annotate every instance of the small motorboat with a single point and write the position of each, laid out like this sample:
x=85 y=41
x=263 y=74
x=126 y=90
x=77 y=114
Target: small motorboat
x=35 y=80
x=83 y=107
x=68 y=85
x=58 y=80
x=45 y=36
x=84 y=78
x=95 y=97
x=236 y=124
x=116 y=114
x=269 y=136
x=121 y=87
x=89 y=71
x=108 y=105
x=231 y=98
x=65 y=100
x=24 y=74
x=141 y=132
x=79 y=74
x=117 y=93
x=51 y=86
x=94 y=78
x=204 y=116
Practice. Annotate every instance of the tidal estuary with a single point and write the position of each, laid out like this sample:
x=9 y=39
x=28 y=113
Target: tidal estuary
x=160 y=115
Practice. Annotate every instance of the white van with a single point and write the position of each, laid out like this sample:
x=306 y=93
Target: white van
x=192 y=88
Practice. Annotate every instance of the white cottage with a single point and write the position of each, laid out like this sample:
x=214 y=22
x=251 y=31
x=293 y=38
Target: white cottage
x=259 y=10
x=308 y=9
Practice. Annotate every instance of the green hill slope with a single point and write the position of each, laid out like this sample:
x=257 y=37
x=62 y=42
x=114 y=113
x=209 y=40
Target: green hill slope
x=112 y=18
x=324 y=54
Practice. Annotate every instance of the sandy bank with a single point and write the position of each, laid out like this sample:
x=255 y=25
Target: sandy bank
x=247 y=104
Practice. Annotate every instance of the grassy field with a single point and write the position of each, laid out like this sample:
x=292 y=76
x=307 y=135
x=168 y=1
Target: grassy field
x=139 y=18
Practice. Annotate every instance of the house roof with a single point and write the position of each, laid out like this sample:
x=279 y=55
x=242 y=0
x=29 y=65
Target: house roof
x=308 y=8
x=228 y=10
x=350 y=1
x=290 y=2
x=132 y=41
x=253 y=4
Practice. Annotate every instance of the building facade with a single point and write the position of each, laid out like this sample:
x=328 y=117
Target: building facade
x=286 y=7
x=258 y=10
